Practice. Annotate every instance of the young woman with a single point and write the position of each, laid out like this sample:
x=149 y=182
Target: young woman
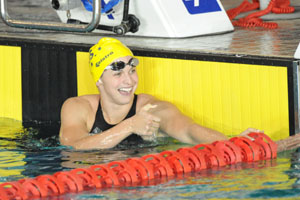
x=117 y=114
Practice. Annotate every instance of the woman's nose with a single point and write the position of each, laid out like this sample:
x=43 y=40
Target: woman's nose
x=127 y=78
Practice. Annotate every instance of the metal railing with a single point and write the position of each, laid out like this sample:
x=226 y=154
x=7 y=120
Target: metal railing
x=53 y=26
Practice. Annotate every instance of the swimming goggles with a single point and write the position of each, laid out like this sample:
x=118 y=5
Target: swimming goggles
x=116 y=66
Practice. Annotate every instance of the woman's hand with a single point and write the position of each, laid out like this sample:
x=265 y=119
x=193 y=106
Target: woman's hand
x=250 y=130
x=144 y=123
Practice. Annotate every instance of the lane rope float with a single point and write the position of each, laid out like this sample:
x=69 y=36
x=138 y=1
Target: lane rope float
x=138 y=171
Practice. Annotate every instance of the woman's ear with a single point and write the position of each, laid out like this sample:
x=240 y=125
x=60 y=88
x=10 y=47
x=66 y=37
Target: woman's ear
x=99 y=82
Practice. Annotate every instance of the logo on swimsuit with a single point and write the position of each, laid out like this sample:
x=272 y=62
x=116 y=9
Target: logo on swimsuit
x=96 y=130
x=201 y=6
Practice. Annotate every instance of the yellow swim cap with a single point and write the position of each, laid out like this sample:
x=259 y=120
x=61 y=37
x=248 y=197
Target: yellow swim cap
x=104 y=53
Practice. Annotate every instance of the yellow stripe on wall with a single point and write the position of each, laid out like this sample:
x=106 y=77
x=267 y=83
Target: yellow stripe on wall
x=223 y=96
x=85 y=81
x=10 y=82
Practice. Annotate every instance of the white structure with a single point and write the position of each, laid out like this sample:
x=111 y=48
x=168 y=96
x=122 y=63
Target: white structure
x=159 y=18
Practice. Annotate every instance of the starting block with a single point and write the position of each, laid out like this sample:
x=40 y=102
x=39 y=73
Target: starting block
x=151 y=18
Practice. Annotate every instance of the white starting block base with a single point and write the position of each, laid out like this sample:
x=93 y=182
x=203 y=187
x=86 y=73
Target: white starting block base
x=165 y=18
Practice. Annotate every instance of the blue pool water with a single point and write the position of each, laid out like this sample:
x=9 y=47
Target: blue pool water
x=24 y=153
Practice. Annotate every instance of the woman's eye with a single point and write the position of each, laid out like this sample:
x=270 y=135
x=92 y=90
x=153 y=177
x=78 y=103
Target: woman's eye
x=117 y=74
x=133 y=70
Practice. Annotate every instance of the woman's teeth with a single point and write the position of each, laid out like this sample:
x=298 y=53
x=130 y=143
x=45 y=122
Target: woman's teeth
x=125 y=89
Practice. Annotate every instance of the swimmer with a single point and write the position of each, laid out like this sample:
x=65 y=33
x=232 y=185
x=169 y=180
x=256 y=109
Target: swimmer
x=117 y=114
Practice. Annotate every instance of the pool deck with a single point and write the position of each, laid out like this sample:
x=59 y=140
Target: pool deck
x=280 y=43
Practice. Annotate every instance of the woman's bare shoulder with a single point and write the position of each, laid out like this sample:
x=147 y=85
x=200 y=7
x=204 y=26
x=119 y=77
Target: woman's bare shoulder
x=144 y=99
x=82 y=102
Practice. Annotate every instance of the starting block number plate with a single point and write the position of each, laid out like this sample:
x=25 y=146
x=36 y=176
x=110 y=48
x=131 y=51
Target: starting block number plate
x=201 y=6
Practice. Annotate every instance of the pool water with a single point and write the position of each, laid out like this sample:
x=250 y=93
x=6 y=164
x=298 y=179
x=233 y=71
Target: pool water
x=25 y=154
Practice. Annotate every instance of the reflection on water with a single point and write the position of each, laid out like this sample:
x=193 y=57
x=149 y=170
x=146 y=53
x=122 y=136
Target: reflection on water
x=29 y=152
x=11 y=160
x=25 y=153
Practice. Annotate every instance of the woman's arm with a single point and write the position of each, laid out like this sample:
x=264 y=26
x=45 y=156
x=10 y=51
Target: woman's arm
x=74 y=131
x=183 y=128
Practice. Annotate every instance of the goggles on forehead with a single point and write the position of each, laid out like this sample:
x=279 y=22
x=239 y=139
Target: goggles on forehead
x=118 y=65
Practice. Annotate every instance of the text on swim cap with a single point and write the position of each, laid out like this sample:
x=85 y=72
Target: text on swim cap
x=105 y=57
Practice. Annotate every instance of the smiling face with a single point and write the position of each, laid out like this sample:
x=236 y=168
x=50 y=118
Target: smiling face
x=119 y=86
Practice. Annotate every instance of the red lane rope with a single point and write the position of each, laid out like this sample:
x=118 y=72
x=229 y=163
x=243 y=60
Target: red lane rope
x=140 y=171
x=253 y=20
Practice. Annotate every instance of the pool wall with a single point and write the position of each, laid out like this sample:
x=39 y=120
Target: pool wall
x=223 y=92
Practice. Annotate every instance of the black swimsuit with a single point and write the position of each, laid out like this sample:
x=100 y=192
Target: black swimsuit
x=101 y=125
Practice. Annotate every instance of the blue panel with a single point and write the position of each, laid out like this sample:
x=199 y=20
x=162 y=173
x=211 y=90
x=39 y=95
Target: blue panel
x=201 y=6
x=105 y=7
